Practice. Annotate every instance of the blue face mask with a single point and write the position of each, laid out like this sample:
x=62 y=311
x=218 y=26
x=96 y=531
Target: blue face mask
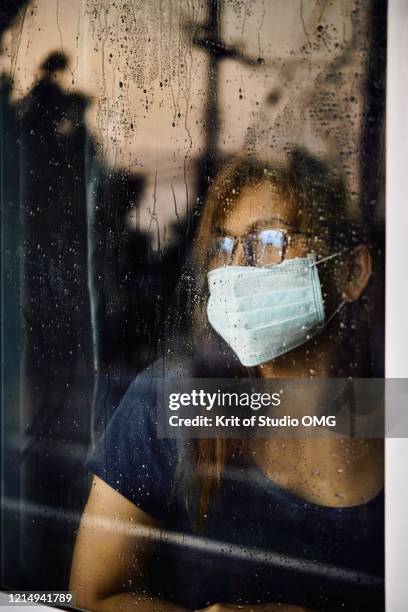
x=263 y=313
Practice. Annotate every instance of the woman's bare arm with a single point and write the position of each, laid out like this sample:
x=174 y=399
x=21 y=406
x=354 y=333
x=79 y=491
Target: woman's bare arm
x=113 y=543
x=108 y=569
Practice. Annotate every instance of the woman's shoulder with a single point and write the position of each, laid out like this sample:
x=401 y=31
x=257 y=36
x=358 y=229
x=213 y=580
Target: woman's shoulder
x=129 y=455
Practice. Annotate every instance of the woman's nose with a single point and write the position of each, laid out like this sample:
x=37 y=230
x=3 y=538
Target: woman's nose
x=238 y=258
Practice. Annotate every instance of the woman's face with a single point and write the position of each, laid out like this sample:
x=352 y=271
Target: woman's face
x=263 y=207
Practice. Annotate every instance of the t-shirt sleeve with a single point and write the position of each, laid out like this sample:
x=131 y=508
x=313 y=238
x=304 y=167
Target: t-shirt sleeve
x=131 y=458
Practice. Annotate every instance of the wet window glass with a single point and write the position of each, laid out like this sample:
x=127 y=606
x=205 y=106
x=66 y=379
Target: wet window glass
x=191 y=190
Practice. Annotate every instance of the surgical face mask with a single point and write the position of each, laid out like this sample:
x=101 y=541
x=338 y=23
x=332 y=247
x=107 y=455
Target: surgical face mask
x=263 y=313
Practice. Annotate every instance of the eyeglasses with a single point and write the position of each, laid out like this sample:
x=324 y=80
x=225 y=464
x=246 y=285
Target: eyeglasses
x=261 y=248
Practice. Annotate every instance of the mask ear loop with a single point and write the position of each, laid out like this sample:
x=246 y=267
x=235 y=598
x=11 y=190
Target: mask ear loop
x=319 y=261
x=343 y=302
x=339 y=307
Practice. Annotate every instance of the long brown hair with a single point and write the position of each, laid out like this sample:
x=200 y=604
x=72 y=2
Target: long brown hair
x=322 y=196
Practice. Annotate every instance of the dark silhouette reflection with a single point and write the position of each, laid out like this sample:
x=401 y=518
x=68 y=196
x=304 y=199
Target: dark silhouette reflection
x=131 y=287
x=93 y=301
x=9 y=9
x=57 y=368
x=10 y=331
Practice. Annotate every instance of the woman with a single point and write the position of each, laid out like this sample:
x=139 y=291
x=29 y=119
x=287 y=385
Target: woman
x=261 y=524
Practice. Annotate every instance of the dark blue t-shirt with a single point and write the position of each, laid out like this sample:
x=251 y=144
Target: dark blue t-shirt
x=258 y=543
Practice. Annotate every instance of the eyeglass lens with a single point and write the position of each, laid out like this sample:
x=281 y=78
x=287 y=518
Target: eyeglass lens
x=262 y=248
x=265 y=247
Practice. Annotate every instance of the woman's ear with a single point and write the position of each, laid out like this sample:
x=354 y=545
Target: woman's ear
x=360 y=270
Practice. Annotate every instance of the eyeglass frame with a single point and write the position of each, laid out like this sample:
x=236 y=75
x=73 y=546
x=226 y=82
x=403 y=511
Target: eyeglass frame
x=286 y=232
